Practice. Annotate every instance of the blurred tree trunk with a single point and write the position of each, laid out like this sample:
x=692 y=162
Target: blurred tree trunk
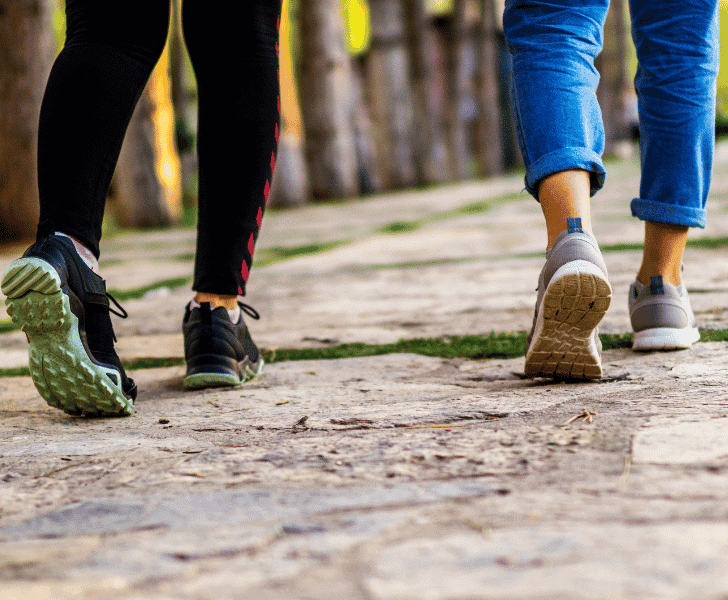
x=185 y=115
x=613 y=69
x=26 y=55
x=147 y=188
x=290 y=178
x=457 y=91
x=490 y=117
x=390 y=92
x=370 y=176
x=326 y=100
x=430 y=150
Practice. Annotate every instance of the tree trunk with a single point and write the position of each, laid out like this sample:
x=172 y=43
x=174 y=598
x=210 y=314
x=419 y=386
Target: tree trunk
x=185 y=114
x=490 y=117
x=26 y=55
x=370 y=176
x=428 y=98
x=457 y=88
x=613 y=69
x=326 y=100
x=290 y=179
x=391 y=97
x=147 y=187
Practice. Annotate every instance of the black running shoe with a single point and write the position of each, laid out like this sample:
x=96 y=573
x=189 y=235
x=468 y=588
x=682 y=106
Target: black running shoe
x=63 y=307
x=218 y=352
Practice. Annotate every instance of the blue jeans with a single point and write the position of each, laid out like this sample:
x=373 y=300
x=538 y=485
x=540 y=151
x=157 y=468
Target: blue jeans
x=553 y=44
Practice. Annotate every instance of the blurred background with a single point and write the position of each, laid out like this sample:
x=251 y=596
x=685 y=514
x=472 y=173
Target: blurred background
x=377 y=95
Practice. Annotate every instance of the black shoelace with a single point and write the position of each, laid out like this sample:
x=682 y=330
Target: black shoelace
x=248 y=310
x=123 y=314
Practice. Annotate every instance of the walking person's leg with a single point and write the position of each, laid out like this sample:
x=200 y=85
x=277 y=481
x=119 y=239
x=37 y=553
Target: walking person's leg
x=234 y=53
x=553 y=45
x=677 y=48
x=53 y=290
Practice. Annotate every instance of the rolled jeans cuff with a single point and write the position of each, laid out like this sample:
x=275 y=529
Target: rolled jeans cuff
x=672 y=214
x=566 y=159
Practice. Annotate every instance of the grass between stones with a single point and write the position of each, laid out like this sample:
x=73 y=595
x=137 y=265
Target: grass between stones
x=267 y=256
x=474 y=347
x=493 y=345
x=712 y=243
x=140 y=292
x=7 y=326
x=467 y=209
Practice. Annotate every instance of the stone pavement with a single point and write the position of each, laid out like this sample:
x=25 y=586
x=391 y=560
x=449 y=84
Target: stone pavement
x=390 y=477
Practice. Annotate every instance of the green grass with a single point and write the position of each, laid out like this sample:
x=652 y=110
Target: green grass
x=15 y=372
x=139 y=292
x=267 y=256
x=715 y=335
x=705 y=242
x=283 y=252
x=7 y=326
x=611 y=341
x=153 y=363
x=621 y=247
x=480 y=206
x=493 y=345
x=402 y=226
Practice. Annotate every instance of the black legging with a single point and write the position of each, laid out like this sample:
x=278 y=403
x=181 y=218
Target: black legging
x=96 y=81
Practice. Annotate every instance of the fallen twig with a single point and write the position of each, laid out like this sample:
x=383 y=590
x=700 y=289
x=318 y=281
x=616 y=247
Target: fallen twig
x=585 y=414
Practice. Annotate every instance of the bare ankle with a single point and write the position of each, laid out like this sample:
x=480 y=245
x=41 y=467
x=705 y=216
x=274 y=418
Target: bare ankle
x=663 y=252
x=216 y=300
x=565 y=195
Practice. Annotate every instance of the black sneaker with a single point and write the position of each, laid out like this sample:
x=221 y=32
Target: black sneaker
x=62 y=306
x=218 y=352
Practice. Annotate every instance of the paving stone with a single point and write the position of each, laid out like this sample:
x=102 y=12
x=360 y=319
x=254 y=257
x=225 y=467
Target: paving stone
x=683 y=442
x=572 y=561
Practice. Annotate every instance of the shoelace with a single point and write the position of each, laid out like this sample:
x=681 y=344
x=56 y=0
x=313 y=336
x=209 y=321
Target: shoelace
x=123 y=314
x=248 y=310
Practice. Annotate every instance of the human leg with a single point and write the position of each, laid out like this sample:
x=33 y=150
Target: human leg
x=563 y=196
x=96 y=81
x=561 y=137
x=677 y=50
x=663 y=252
x=235 y=58
x=53 y=291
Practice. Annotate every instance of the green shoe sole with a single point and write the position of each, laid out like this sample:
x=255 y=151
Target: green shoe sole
x=60 y=366
x=198 y=381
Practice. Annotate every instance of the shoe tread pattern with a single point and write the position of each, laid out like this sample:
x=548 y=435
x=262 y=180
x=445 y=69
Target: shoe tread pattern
x=202 y=380
x=60 y=368
x=563 y=345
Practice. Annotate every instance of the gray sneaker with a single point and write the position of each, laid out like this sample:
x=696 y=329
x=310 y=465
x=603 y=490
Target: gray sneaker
x=661 y=316
x=573 y=296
